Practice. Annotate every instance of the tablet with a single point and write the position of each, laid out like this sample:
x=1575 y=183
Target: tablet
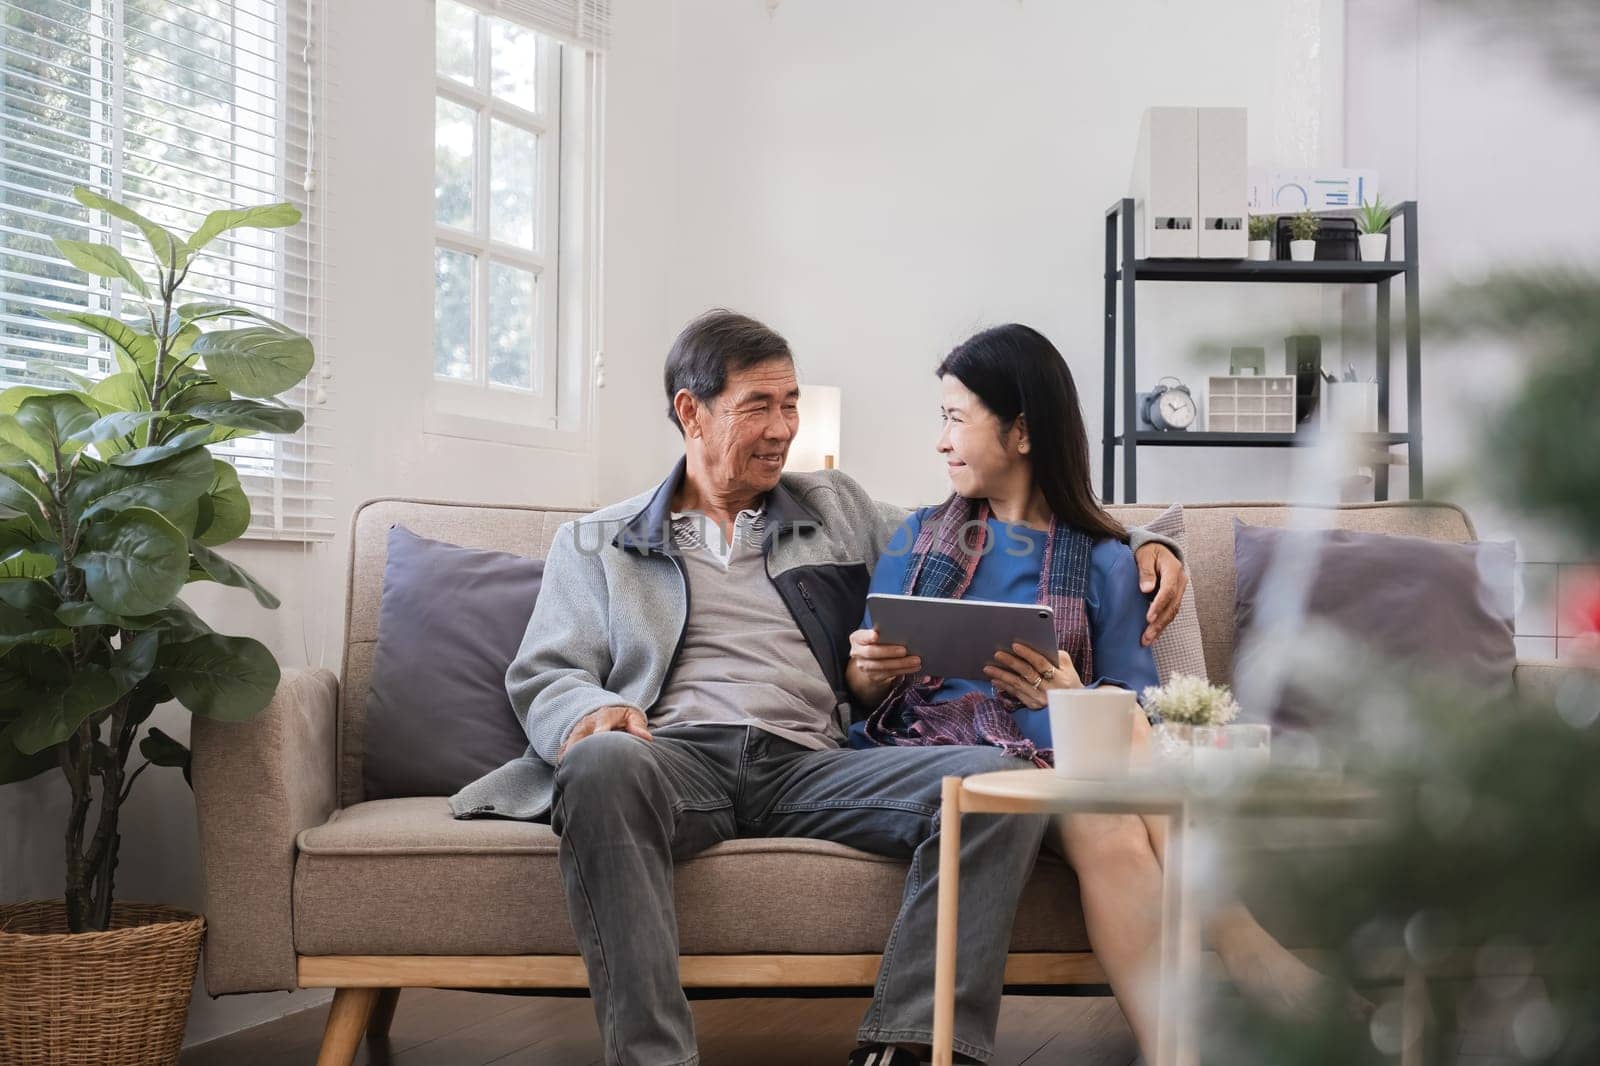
x=958 y=638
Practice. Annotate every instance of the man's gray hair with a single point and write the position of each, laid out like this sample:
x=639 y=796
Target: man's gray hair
x=710 y=348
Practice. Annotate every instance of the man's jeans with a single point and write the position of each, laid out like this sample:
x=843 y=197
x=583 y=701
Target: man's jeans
x=626 y=808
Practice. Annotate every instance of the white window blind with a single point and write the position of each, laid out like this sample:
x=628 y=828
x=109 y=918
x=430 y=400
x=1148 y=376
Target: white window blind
x=585 y=23
x=177 y=109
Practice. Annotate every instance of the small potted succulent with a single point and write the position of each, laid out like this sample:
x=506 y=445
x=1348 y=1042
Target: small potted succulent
x=1303 y=229
x=1184 y=703
x=1373 y=223
x=1261 y=227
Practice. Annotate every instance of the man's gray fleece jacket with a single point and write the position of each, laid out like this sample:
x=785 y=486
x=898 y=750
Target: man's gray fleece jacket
x=611 y=613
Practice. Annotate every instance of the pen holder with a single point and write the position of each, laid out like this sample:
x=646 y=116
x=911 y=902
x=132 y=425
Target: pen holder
x=1349 y=406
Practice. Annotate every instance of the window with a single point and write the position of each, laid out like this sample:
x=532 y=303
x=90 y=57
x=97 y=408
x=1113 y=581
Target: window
x=507 y=180
x=178 y=109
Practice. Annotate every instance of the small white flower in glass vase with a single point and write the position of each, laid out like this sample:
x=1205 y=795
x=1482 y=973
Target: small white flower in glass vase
x=1184 y=703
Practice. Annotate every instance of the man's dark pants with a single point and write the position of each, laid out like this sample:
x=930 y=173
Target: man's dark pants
x=626 y=808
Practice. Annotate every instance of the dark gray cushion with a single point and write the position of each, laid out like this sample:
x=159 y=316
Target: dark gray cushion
x=1436 y=608
x=450 y=622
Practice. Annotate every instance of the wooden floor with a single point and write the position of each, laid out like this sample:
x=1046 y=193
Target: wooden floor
x=437 y=1028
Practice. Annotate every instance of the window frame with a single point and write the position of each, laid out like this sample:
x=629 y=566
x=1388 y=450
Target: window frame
x=287 y=477
x=554 y=413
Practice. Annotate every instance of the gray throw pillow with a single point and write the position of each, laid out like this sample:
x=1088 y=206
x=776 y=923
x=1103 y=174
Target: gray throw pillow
x=1437 y=608
x=451 y=620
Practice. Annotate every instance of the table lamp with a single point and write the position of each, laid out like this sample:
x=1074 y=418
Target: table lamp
x=816 y=447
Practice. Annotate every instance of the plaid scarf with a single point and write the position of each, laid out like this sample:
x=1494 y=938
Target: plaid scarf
x=944 y=559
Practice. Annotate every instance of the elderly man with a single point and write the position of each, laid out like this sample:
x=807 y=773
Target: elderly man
x=682 y=683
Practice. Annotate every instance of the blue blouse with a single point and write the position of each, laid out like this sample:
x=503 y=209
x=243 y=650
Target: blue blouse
x=1009 y=573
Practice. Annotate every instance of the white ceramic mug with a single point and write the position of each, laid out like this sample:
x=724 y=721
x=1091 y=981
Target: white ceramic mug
x=1091 y=730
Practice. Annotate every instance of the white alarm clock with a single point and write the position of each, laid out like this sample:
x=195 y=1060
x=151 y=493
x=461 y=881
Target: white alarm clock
x=1168 y=407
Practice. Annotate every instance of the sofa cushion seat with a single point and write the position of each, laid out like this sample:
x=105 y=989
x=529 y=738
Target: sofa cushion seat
x=402 y=877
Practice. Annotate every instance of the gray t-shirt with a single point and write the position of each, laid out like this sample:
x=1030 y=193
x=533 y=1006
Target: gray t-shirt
x=744 y=660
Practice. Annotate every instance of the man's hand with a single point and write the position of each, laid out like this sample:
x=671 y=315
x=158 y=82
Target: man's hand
x=881 y=662
x=1162 y=572
x=873 y=667
x=616 y=719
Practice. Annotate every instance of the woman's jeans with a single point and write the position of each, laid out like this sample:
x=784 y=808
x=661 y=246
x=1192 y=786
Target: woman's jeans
x=626 y=808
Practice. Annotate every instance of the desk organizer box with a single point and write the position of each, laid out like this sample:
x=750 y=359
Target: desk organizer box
x=1249 y=404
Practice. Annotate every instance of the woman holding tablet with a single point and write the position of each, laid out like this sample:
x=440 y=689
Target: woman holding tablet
x=1023 y=526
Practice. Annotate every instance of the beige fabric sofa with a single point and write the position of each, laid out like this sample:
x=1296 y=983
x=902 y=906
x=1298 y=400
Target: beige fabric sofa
x=306 y=885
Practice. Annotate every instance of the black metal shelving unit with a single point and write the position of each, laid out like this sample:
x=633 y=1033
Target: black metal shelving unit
x=1126 y=271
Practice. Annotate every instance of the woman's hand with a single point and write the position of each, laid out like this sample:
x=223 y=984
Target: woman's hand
x=874 y=667
x=1028 y=675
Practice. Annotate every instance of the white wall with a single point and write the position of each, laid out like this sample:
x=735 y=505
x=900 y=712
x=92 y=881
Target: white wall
x=878 y=180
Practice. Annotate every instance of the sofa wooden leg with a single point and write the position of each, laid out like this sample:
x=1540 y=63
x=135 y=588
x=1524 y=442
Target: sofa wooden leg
x=347 y=1021
x=383 y=1013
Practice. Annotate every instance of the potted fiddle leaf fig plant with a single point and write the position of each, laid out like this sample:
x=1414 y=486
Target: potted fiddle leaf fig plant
x=1372 y=222
x=110 y=503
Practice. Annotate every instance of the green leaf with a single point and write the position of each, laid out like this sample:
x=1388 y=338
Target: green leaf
x=256 y=361
x=11 y=455
x=187 y=517
x=162 y=750
x=54 y=719
x=16 y=534
x=251 y=415
x=146 y=696
x=116 y=424
x=197 y=390
x=222 y=571
x=54 y=420
x=17 y=499
x=129 y=342
x=189 y=439
x=177 y=621
x=12 y=398
x=227 y=678
x=166 y=486
x=197 y=312
x=26 y=564
x=78 y=381
x=27 y=626
x=37 y=597
x=224 y=509
x=182 y=341
x=15 y=766
x=132 y=663
x=134 y=562
x=22 y=446
x=169 y=250
x=101 y=260
x=89 y=613
x=121 y=391
x=32 y=672
x=267 y=216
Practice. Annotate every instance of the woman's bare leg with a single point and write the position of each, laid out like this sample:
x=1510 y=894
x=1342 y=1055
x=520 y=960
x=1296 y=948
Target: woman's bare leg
x=1119 y=879
x=1258 y=965
x=1118 y=860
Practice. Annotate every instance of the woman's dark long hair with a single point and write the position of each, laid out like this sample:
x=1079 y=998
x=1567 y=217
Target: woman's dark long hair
x=1015 y=371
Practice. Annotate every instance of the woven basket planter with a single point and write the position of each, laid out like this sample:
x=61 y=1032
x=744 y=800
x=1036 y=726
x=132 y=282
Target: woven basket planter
x=116 y=998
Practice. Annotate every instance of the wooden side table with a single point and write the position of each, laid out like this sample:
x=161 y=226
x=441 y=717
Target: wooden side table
x=1045 y=792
